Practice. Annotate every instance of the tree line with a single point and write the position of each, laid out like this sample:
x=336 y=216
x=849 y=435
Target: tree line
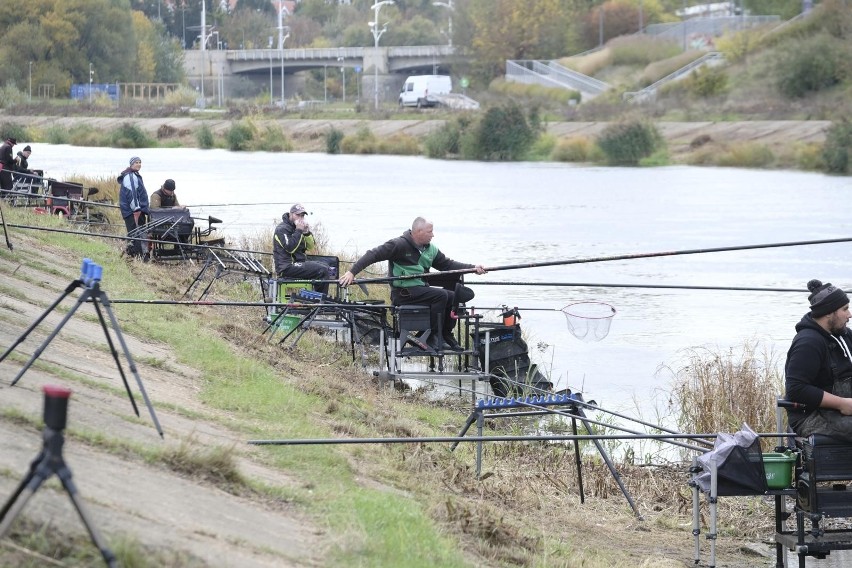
x=61 y=42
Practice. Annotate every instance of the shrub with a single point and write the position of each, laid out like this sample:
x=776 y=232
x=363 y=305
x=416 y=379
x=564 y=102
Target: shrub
x=86 y=135
x=129 y=136
x=11 y=96
x=502 y=134
x=362 y=142
x=400 y=145
x=811 y=65
x=542 y=148
x=707 y=82
x=16 y=131
x=273 y=139
x=332 y=141
x=746 y=155
x=579 y=149
x=625 y=143
x=239 y=136
x=56 y=135
x=205 y=137
x=835 y=151
x=443 y=141
x=589 y=64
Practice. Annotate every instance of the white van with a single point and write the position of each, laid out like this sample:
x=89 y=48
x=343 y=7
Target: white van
x=420 y=90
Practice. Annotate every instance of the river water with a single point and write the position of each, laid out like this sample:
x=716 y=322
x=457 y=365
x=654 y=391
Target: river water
x=506 y=214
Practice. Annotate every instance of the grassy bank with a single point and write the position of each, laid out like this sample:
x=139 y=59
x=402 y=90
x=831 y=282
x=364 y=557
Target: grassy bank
x=400 y=505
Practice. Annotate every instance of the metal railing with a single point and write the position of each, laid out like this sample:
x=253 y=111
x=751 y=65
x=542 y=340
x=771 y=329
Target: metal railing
x=336 y=52
x=649 y=92
x=552 y=74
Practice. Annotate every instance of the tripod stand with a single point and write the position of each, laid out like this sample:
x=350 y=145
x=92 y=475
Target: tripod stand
x=48 y=462
x=89 y=280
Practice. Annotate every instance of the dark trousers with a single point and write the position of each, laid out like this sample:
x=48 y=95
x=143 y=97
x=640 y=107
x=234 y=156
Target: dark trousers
x=439 y=300
x=6 y=181
x=308 y=270
x=134 y=247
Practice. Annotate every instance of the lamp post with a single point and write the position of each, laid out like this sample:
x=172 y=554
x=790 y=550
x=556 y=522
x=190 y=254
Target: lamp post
x=343 y=70
x=31 y=81
x=281 y=39
x=449 y=6
x=325 y=83
x=377 y=34
x=91 y=78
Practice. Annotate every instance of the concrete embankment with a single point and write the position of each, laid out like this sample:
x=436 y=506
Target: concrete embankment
x=307 y=134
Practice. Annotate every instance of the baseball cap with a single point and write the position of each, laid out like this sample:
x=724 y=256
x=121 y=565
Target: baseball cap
x=298 y=209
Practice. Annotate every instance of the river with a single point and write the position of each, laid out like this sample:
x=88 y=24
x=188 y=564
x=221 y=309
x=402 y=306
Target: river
x=501 y=214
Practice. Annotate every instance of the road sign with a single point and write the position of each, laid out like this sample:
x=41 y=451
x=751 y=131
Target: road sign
x=465 y=83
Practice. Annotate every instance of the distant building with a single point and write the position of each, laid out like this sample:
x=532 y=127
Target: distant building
x=711 y=10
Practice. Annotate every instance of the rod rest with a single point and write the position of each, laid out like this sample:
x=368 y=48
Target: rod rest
x=540 y=400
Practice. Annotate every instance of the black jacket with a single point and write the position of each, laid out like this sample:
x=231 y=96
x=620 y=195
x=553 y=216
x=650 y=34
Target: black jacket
x=405 y=258
x=290 y=245
x=21 y=163
x=815 y=359
x=7 y=158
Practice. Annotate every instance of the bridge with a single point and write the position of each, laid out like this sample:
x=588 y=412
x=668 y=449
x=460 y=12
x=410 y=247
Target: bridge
x=390 y=65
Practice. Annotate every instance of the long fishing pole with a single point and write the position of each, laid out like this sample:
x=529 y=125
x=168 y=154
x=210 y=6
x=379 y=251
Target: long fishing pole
x=656 y=286
x=126 y=238
x=527 y=438
x=288 y=204
x=632 y=256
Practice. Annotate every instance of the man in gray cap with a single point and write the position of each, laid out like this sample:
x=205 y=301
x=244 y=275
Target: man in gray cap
x=290 y=245
x=818 y=372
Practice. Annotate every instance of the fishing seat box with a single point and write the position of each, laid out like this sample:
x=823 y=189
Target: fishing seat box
x=825 y=462
x=179 y=226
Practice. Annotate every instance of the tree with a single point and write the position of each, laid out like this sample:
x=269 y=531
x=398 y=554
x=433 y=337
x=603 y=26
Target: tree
x=507 y=29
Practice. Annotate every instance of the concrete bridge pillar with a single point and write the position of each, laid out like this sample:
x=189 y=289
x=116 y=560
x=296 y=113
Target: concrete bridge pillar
x=376 y=65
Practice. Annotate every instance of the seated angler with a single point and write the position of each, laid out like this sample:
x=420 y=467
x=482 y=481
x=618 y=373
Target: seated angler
x=818 y=371
x=414 y=254
x=292 y=240
x=165 y=196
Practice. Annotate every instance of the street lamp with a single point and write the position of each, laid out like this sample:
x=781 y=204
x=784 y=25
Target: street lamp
x=91 y=78
x=31 y=81
x=377 y=34
x=325 y=83
x=281 y=39
x=343 y=70
x=449 y=6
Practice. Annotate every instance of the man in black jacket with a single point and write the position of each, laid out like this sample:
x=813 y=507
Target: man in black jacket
x=414 y=254
x=292 y=240
x=7 y=160
x=819 y=366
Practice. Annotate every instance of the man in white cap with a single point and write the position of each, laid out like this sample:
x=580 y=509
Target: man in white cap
x=818 y=371
x=290 y=245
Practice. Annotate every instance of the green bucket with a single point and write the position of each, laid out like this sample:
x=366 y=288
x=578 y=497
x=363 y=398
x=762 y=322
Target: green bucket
x=779 y=469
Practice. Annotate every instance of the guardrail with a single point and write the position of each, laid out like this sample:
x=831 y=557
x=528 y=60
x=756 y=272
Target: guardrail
x=551 y=74
x=650 y=91
x=336 y=52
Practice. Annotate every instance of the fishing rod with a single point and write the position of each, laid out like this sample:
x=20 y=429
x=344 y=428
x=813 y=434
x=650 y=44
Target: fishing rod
x=522 y=438
x=657 y=286
x=288 y=204
x=142 y=238
x=349 y=306
x=588 y=260
x=63 y=198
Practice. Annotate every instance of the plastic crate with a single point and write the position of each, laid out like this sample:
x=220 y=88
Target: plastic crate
x=779 y=469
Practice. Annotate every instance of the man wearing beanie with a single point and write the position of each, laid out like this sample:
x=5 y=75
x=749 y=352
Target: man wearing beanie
x=133 y=201
x=165 y=196
x=818 y=372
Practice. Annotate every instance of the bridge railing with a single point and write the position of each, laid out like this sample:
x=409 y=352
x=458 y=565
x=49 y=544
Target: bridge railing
x=308 y=53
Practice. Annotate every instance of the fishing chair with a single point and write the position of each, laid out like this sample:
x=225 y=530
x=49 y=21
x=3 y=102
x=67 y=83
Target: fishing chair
x=412 y=329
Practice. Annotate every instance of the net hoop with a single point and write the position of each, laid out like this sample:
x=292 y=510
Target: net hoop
x=589 y=321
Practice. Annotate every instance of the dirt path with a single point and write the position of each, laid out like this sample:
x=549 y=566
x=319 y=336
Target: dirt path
x=126 y=496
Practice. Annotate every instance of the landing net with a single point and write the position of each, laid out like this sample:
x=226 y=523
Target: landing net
x=589 y=321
